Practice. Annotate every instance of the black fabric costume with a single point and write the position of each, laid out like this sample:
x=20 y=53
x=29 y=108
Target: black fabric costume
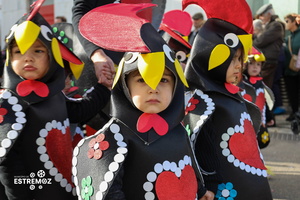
x=122 y=162
x=226 y=147
x=36 y=144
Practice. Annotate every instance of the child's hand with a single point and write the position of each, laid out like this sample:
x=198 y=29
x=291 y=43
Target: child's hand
x=104 y=68
x=208 y=196
x=297 y=18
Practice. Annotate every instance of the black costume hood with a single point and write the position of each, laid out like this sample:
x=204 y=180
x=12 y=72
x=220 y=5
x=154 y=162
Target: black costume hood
x=146 y=51
x=25 y=32
x=216 y=43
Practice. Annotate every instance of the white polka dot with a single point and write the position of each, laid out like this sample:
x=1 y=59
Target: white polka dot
x=99 y=195
x=6 y=143
x=40 y=141
x=151 y=176
x=237 y=128
x=59 y=125
x=17 y=126
x=119 y=158
x=225 y=137
x=6 y=95
x=258 y=171
x=253 y=170
x=158 y=168
x=48 y=126
x=196 y=129
x=148 y=186
x=74 y=171
x=181 y=164
x=118 y=137
x=242 y=129
x=75 y=180
x=178 y=172
x=193 y=137
x=58 y=177
x=75 y=151
x=20 y=114
x=54 y=123
x=2 y=151
x=173 y=166
x=21 y=120
x=43 y=133
x=247 y=168
x=149 y=196
x=103 y=186
x=41 y=149
x=74 y=161
x=230 y=131
x=108 y=176
x=122 y=150
x=80 y=143
x=225 y=152
x=16 y=107
x=236 y=163
x=53 y=171
x=230 y=158
x=166 y=165
x=63 y=182
x=44 y=157
x=225 y=193
x=223 y=145
x=121 y=144
x=114 y=166
x=264 y=173
x=48 y=164
x=242 y=166
x=187 y=160
x=12 y=100
x=114 y=128
x=12 y=134
x=68 y=188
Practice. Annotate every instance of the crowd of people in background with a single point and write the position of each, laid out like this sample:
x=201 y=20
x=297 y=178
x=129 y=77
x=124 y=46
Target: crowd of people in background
x=161 y=102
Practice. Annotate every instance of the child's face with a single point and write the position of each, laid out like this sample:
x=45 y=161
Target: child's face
x=146 y=99
x=254 y=67
x=32 y=65
x=234 y=69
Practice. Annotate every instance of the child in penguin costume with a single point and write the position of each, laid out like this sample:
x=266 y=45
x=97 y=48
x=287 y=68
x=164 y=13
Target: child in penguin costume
x=264 y=95
x=36 y=144
x=143 y=152
x=226 y=146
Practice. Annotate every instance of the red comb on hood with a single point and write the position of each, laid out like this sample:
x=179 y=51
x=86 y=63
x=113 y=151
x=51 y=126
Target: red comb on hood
x=236 y=12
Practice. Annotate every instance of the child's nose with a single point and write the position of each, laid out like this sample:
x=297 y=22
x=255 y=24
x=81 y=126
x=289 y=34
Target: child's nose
x=152 y=90
x=28 y=56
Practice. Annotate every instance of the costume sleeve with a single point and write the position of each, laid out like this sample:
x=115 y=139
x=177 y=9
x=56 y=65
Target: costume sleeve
x=84 y=109
x=273 y=33
x=81 y=7
x=207 y=157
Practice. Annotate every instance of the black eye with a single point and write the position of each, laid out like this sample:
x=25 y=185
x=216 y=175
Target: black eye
x=131 y=57
x=46 y=32
x=181 y=56
x=169 y=53
x=231 y=40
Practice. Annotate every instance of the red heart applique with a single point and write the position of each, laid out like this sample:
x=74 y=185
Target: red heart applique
x=3 y=112
x=247 y=97
x=233 y=89
x=244 y=146
x=260 y=101
x=24 y=88
x=147 y=121
x=59 y=149
x=170 y=187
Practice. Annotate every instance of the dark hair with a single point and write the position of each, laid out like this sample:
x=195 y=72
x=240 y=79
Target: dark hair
x=62 y=18
x=291 y=17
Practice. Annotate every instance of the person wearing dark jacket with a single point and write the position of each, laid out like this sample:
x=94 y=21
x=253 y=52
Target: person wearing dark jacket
x=269 y=42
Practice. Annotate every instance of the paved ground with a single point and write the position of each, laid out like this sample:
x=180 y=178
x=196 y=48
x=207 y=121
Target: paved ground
x=282 y=157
